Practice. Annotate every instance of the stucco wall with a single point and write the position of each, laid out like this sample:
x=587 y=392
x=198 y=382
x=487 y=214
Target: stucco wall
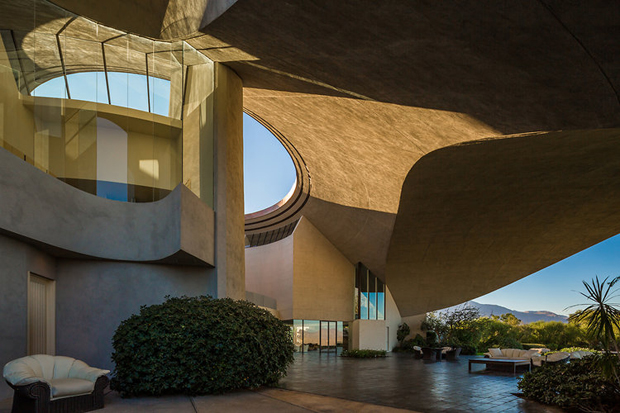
x=269 y=271
x=16 y=259
x=369 y=335
x=324 y=279
x=94 y=297
x=392 y=318
x=229 y=207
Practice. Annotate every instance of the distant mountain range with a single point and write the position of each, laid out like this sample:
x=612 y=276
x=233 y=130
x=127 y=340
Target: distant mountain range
x=486 y=310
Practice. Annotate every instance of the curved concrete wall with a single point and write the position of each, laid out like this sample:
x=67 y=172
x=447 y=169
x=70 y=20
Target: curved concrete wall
x=43 y=209
x=478 y=216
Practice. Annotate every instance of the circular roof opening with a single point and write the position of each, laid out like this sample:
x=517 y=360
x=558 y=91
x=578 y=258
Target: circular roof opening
x=269 y=174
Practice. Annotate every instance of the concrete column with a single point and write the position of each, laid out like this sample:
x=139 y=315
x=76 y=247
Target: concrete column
x=229 y=208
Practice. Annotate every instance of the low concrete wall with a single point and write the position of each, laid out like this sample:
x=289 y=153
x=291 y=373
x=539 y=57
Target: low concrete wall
x=17 y=259
x=43 y=209
x=369 y=335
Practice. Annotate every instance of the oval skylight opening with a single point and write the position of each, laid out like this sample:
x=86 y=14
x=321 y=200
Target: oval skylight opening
x=269 y=172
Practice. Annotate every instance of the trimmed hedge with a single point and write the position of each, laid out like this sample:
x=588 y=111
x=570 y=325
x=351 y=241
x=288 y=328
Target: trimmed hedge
x=199 y=345
x=363 y=354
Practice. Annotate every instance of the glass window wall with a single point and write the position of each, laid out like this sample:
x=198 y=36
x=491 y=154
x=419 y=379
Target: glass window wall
x=319 y=335
x=98 y=108
x=369 y=297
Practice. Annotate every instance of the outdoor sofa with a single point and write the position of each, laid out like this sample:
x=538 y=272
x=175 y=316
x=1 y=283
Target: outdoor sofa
x=553 y=358
x=579 y=354
x=513 y=353
x=45 y=383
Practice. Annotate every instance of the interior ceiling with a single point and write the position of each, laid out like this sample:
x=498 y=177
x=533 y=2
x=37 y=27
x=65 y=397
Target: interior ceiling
x=366 y=90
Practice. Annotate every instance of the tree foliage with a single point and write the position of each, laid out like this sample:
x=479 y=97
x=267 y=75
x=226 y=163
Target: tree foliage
x=402 y=332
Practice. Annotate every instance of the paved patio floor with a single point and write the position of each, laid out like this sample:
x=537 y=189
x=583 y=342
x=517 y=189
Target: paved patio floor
x=329 y=383
x=401 y=381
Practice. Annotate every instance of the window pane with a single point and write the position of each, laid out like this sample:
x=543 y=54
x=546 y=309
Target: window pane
x=118 y=88
x=137 y=97
x=339 y=333
x=298 y=335
x=364 y=296
x=160 y=95
x=54 y=88
x=372 y=298
x=311 y=334
x=83 y=86
x=380 y=300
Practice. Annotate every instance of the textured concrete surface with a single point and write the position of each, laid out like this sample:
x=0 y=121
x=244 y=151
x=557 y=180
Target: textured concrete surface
x=365 y=91
x=477 y=216
x=228 y=141
x=93 y=297
x=43 y=209
x=324 y=280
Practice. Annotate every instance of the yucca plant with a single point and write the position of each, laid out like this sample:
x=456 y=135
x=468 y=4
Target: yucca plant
x=601 y=316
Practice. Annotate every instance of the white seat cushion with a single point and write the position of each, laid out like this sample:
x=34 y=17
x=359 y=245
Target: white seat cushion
x=70 y=387
x=495 y=352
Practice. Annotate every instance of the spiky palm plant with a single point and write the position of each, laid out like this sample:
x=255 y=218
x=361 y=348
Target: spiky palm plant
x=601 y=316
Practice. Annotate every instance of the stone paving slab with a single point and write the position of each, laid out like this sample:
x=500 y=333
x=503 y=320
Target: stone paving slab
x=260 y=401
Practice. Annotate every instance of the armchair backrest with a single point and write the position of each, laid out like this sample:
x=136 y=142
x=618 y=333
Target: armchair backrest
x=44 y=367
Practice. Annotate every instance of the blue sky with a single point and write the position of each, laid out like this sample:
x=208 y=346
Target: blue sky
x=269 y=173
x=557 y=286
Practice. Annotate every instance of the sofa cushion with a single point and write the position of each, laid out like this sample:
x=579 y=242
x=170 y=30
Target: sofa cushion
x=579 y=354
x=495 y=352
x=62 y=366
x=24 y=370
x=42 y=367
x=70 y=387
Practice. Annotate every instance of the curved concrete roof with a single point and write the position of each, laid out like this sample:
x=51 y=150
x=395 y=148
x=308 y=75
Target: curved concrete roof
x=367 y=90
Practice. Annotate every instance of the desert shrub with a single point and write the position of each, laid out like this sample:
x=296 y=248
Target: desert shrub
x=199 y=345
x=572 y=386
x=363 y=354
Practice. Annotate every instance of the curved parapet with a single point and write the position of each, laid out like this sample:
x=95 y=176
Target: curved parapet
x=45 y=211
x=478 y=216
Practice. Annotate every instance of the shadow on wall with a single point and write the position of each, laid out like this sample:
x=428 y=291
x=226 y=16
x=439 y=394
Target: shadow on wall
x=478 y=216
x=361 y=235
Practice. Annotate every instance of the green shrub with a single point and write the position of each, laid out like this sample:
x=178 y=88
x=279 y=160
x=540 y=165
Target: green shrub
x=199 y=345
x=571 y=349
x=572 y=386
x=363 y=354
x=407 y=345
x=431 y=338
x=402 y=332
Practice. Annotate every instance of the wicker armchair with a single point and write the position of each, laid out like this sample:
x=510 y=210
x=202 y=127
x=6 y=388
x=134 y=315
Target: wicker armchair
x=44 y=383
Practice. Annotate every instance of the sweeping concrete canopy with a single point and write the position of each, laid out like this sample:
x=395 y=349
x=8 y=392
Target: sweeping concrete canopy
x=452 y=147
